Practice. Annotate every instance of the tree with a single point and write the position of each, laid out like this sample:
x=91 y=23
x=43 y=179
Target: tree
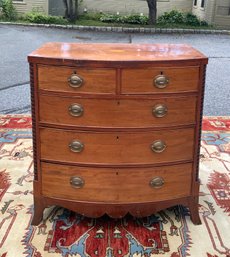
x=8 y=10
x=71 y=9
x=152 y=4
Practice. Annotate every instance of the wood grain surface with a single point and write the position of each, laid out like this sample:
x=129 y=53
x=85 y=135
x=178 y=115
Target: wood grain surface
x=141 y=81
x=116 y=185
x=116 y=148
x=113 y=113
x=109 y=52
x=55 y=78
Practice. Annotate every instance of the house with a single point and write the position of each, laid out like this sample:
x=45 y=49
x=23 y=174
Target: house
x=56 y=7
x=24 y=6
x=216 y=12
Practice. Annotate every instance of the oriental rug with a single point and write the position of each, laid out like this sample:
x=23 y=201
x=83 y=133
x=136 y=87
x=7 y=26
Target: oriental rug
x=169 y=233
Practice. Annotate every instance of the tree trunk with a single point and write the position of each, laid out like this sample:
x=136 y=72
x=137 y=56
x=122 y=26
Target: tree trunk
x=71 y=9
x=76 y=9
x=66 y=9
x=152 y=4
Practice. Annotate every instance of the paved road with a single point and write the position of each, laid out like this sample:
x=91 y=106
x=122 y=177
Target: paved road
x=18 y=42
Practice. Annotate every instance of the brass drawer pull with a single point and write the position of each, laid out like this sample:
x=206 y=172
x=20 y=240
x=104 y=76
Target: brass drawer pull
x=158 y=146
x=75 y=81
x=77 y=182
x=161 y=81
x=76 y=146
x=160 y=110
x=157 y=182
x=76 y=110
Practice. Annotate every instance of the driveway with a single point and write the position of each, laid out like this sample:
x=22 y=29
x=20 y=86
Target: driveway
x=17 y=42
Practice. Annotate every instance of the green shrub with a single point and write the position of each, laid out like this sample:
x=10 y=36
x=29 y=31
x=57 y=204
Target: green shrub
x=111 y=18
x=136 y=19
x=36 y=17
x=171 y=17
x=91 y=16
x=176 y=17
x=8 y=10
x=203 y=23
x=130 y=19
x=191 y=19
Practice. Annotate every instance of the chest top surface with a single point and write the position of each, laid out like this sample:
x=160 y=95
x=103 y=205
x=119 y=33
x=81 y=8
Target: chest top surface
x=110 y=52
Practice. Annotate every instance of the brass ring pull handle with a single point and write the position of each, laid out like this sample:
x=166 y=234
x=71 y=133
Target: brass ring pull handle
x=158 y=146
x=75 y=81
x=77 y=182
x=157 y=182
x=161 y=81
x=76 y=110
x=76 y=146
x=160 y=110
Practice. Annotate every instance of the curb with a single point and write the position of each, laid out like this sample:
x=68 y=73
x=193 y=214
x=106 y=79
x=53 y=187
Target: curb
x=123 y=29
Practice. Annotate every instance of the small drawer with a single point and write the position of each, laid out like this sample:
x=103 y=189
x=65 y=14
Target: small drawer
x=77 y=80
x=116 y=185
x=160 y=80
x=116 y=148
x=123 y=113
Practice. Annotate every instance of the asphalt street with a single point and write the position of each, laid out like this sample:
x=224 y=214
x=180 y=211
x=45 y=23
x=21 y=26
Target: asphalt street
x=17 y=42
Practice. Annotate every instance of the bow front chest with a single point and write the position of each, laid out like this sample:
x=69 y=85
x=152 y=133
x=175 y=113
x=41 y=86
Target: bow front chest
x=116 y=127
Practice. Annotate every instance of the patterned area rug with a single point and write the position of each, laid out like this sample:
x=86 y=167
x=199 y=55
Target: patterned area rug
x=168 y=233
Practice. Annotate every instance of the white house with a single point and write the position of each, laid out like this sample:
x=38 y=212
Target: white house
x=216 y=12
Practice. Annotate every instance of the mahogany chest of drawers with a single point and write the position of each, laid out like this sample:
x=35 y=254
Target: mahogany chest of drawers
x=116 y=127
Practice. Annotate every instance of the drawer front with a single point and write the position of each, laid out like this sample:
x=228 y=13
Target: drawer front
x=116 y=185
x=117 y=113
x=117 y=148
x=78 y=80
x=157 y=80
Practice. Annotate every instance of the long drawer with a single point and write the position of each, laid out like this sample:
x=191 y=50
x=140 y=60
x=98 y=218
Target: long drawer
x=160 y=80
x=111 y=113
x=116 y=147
x=77 y=80
x=124 y=185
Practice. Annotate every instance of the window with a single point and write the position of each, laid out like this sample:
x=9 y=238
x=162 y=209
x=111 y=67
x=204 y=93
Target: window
x=195 y=2
x=202 y=3
x=18 y=2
